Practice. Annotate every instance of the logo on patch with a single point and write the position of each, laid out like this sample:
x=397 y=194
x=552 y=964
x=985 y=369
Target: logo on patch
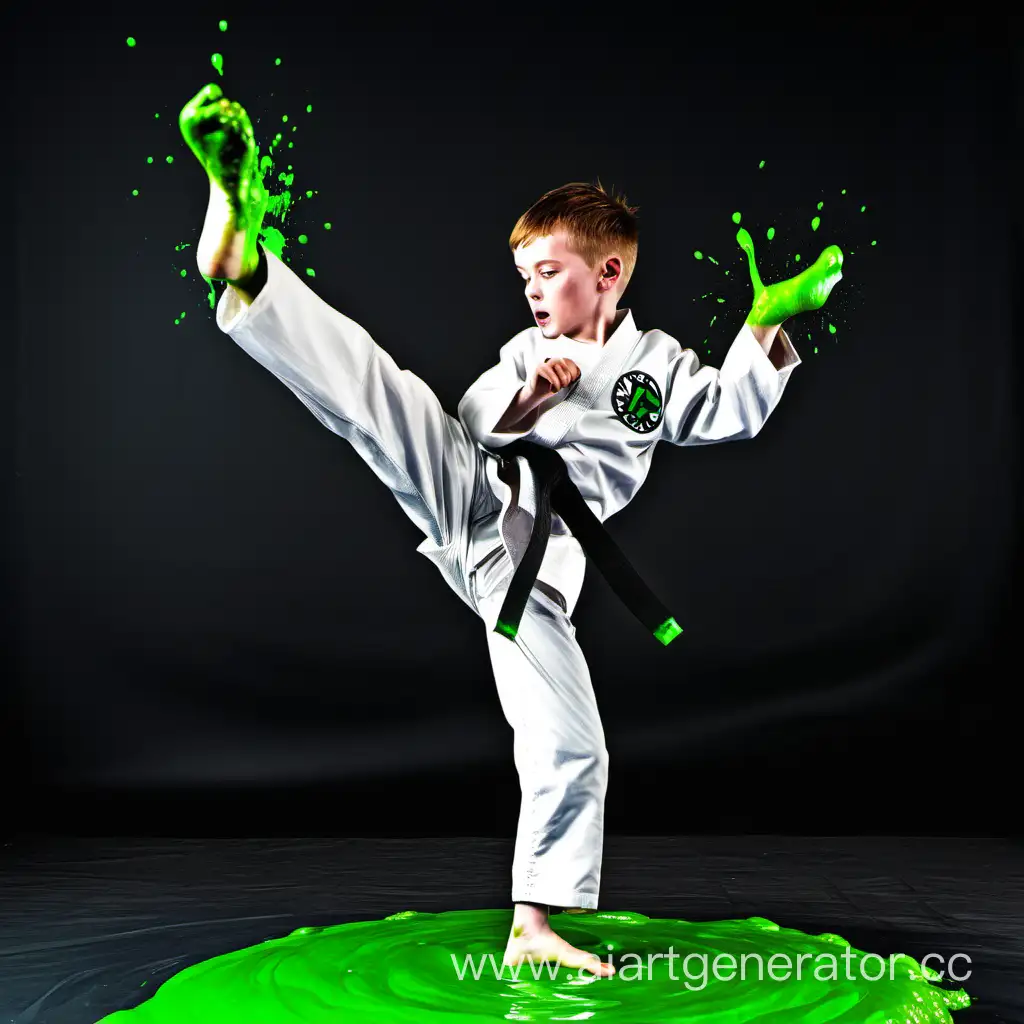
x=636 y=399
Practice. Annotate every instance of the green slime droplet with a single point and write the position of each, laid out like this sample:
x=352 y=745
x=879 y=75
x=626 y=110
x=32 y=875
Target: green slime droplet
x=130 y=40
x=771 y=234
x=697 y=254
x=815 y=223
x=807 y=291
x=760 y=165
x=736 y=217
x=445 y=968
x=217 y=60
x=831 y=329
x=277 y=61
x=222 y=25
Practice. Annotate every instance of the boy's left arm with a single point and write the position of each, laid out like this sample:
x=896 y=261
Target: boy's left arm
x=704 y=405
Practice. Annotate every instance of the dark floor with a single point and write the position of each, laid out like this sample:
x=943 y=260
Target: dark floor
x=83 y=922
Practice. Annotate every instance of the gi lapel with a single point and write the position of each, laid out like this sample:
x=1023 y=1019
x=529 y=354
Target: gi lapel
x=554 y=424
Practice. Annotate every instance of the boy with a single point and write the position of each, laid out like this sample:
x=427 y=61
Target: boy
x=583 y=381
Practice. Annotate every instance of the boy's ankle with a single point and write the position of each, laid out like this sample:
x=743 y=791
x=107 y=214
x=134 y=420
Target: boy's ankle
x=250 y=285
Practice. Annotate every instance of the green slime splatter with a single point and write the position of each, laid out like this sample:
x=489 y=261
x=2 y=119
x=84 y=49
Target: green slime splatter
x=221 y=136
x=406 y=968
x=808 y=290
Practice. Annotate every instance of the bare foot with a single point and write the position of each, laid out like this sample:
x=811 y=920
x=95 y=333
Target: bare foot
x=544 y=944
x=219 y=133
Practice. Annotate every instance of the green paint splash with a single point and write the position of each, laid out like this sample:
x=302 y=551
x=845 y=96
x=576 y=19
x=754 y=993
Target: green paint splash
x=220 y=134
x=807 y=291
x=445 y=968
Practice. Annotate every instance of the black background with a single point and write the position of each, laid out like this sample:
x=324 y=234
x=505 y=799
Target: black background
x=218 y=620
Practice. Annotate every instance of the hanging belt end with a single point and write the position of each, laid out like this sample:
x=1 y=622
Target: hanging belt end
x=506 y=629
x=668 y=631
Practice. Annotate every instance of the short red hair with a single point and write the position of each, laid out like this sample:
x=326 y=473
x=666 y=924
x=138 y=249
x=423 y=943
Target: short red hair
x=596 y=224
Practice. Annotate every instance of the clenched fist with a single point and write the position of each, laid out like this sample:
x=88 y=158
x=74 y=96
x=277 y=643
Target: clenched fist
x=552 y=375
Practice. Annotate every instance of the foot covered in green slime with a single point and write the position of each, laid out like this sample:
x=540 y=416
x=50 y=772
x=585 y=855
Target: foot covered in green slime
x=220 y=134
x=808 y=290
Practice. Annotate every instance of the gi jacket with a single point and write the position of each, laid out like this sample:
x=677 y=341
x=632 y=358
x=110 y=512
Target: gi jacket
x=639 y=388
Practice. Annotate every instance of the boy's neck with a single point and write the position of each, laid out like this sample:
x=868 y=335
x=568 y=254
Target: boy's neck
x=605 y=329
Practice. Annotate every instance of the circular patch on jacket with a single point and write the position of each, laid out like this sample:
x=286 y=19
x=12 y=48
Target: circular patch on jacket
x=636 y=399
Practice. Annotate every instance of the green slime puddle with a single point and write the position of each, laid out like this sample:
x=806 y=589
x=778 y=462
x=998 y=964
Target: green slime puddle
x=446 y=967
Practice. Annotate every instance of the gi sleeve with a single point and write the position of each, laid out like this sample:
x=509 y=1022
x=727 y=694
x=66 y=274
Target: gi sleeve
x=705 y=405
x=491 y=394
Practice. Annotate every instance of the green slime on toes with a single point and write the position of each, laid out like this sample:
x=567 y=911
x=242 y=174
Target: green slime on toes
x=219 y=133
x=445 y=968
x=808 y=290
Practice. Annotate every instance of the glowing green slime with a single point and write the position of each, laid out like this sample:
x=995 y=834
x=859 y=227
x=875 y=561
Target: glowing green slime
x=446 y=968
x=807 y=291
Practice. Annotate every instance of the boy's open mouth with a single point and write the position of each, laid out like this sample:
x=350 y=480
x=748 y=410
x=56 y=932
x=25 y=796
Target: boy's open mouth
x=542 y=316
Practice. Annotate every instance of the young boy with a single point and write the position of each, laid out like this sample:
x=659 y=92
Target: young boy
x=585 y=382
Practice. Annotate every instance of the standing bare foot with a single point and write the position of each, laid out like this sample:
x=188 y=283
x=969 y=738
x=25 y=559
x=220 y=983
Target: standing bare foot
x=219 y=133
x=532 y=939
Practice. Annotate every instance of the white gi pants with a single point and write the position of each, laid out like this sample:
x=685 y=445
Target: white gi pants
x=436 y=471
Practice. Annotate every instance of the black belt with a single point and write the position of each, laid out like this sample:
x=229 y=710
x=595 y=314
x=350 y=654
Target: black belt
x=556 y=492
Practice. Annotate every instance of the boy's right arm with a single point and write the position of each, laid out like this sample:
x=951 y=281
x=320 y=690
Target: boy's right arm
x=491 y=406
x=499 y=403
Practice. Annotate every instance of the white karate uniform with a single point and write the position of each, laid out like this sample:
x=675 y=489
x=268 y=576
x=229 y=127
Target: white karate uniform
x=640 y=387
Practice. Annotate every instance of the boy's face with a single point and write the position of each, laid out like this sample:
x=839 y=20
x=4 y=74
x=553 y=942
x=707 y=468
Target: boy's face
x=561 y=289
